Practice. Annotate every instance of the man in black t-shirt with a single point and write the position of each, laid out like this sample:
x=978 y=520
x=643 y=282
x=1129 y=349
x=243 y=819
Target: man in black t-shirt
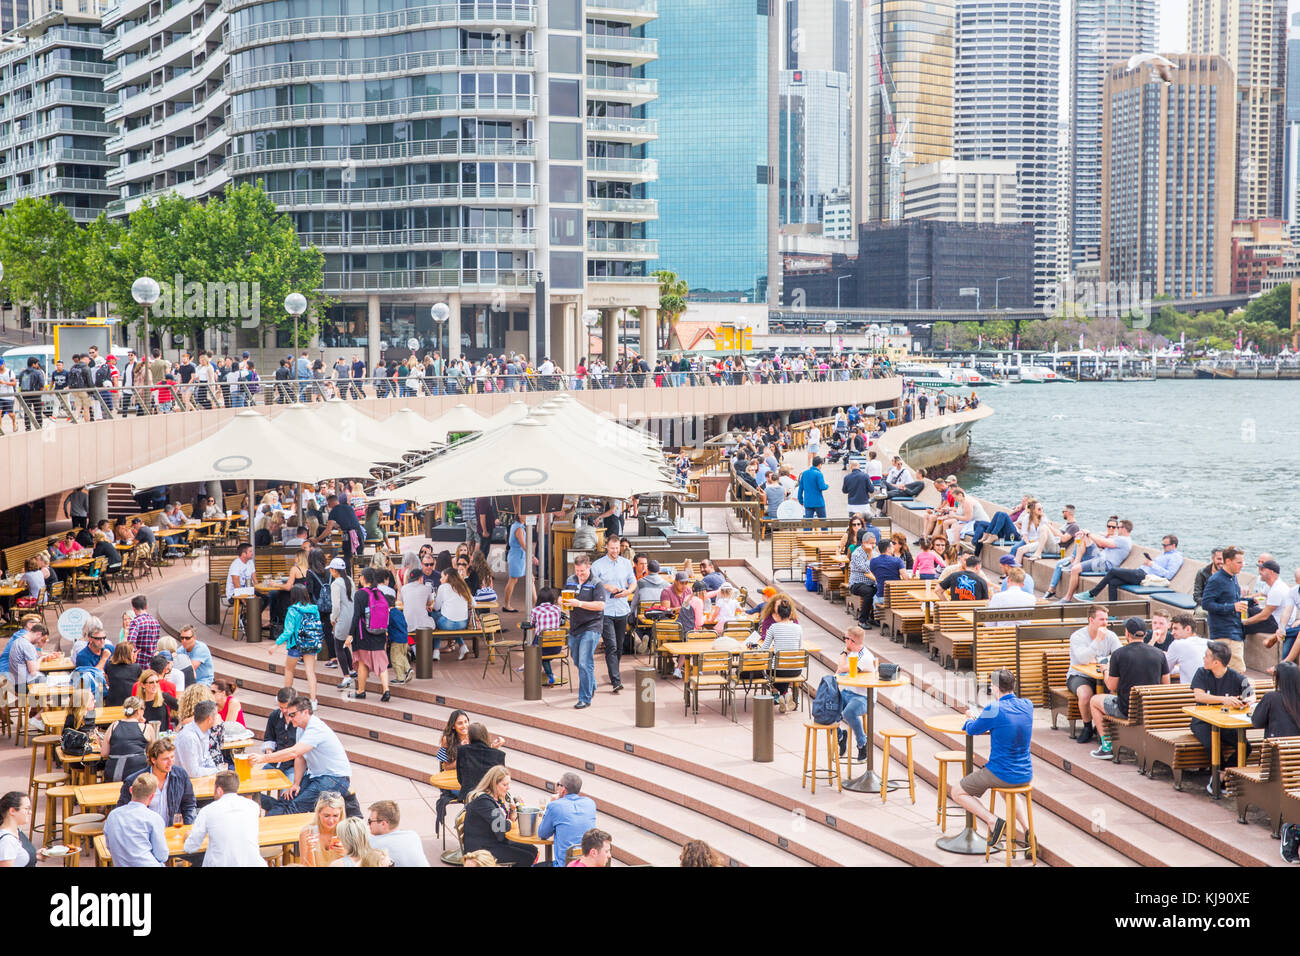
x=1136 y=664
x=345 y=519
x=1217 y=684
x=185 y=371
x=586 y=621
x=966 y=583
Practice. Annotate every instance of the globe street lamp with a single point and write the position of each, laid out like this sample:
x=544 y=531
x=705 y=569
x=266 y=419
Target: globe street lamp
x=145 y=291
x=295 y=303
x=830 y=328
x=441 y=312
x=590 y=318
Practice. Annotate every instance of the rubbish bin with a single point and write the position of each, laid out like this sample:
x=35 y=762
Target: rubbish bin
x=645 y=696
x=764 y=716
x=253 y=625
x=532 y=672
x=212 y=604
x=423 y=653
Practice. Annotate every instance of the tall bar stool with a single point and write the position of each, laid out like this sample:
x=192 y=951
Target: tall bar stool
x=49 y=742
x=900 y=733
x=82 y=836
x=810 y=742
x=1009 y=795
x=946 y=757
x=43 y=783
x=58 y=807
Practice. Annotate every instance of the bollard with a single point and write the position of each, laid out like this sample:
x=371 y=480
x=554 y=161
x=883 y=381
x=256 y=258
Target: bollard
x=253 y=625
x=212 y=604
x=532 y=672
x=645 y=696
x=764 y=715
x=424 y=653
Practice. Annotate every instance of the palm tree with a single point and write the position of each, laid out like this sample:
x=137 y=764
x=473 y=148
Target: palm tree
x=672 y=298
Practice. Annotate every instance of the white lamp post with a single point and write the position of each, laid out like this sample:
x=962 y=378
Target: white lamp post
x=830 y=328
x=590 y=319
x=295 y=303
x=145 y=291
x=441 y=312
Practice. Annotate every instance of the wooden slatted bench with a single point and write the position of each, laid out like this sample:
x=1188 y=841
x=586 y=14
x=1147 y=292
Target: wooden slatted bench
x=16 y=557
x=952 y=618
x=787 y=552
x=902 y=613
x=1266 y=784
x=1171 y=742
x=993 y=646
x=1167 y=702
x=1056 y=665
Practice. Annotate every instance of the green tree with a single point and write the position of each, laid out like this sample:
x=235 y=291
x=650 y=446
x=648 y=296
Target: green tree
x=96 y=259
x=1273 y=307
x=37 y=239
x=673 y=291
x=151 y=246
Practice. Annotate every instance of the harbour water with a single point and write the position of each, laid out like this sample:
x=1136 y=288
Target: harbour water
x=1214 y=462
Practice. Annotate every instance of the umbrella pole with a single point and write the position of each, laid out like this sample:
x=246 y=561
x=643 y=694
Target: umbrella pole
x=531 y=523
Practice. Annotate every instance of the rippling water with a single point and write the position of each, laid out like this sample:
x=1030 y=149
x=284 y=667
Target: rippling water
x=1212 y=462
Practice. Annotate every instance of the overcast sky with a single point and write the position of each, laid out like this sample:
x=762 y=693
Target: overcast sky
x=1173 y=24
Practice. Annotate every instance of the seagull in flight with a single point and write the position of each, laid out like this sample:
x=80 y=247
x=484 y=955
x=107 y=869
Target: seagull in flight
x=1161 y=68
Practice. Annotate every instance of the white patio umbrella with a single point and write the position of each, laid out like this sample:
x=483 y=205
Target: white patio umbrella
x=348 y=430
x=388 y=432
x=407 y=428
x=512 y=413
x=458 y=418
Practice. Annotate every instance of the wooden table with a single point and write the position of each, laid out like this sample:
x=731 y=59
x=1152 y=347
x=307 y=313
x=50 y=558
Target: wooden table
x=513 y=836
x=1219 y=721
x=103 y=717
x=1094 y=672
x=260 y=780
x=693 y=649
x=282 y=830
x=73 y=566
x=445 y=780
x=967 y=842
x=59 y=664
x=870 y=782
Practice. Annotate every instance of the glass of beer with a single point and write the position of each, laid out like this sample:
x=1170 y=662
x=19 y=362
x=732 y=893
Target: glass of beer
x=853 y=665
x=243 y=767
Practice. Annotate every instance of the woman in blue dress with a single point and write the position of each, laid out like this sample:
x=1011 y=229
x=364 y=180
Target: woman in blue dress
x=516 y=559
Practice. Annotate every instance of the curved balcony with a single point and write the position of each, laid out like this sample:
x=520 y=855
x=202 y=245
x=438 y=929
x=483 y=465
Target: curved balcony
x=278 y=73
x=623 y=49
x=373 y=24
x=354 y=241
x=622 y=89
x=634 y=12
x=623 y=248
x=601 y=208
x=623 y=129
x=624 y=170
x=438 y=193
x=409 y=107
x=333 y=156
x=442 y=280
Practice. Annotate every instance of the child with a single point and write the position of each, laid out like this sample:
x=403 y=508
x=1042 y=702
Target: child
x=928 y=563
x=302 y=634
x=725 y=608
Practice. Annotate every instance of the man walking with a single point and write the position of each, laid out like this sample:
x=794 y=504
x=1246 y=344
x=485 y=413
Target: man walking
x=812 y=488
x=586 y=619
x=618 y=579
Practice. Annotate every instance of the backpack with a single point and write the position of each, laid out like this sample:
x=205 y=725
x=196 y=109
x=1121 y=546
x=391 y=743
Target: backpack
x=374 y=615
x=397 y=631
x=103 y=375
x=324 y=600
x=826 y=705
x=309 y=635
x=26 y=380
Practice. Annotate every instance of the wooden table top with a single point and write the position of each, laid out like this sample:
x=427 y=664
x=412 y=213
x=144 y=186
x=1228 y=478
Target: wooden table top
x=58 y=664
x=271 y=831
x=260 y=780
x=948 y=723
x=103 y=716
x=71 y=562
x=870 y=679
x=513 y=836
x=9 y=590
x=692 y=648
x=1090 y=670
x=1213 y=714
x=445 y=780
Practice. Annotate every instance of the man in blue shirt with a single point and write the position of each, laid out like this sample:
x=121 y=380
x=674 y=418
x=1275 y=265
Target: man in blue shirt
x=617 y=578
x=199 y=655
x=1223 y=605
x=812 y=485
x=1164 y=565
x=133 y=832
x=567 y=817
x=1009 y=722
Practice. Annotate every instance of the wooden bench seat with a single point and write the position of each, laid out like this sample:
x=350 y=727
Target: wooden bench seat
x=1062 y=703
x=1168 y=738
x=1265 y=784
x=902 y=613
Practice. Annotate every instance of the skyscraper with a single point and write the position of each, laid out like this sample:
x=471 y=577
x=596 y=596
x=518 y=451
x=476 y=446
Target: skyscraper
x=1104 y=32
x=1005 y=106
x=712 y=148
x=814 y=144
x=1291 y=175
x=816 y=35
x=1168 y=158
x=1251 y=36
x=903 y=61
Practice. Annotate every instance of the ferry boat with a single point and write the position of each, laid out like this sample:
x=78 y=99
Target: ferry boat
x=1038 y=375
x=943 y=376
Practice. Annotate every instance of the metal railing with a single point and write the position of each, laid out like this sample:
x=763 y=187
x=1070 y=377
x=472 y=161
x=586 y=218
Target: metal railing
x=623 y=166
x=403 y=194
x=616 y=125
x=637 y=85
x=37 y=410
x=378 y=66
x=511 y=103
x=370 y=23
x=337 y=155
x=623 y=247
x=609 y=43
x=404 y=238
x=643 y=208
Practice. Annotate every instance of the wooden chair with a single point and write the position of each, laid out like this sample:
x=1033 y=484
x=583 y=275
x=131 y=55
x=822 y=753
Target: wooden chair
x=712 y=673
x=1056 y=666
x=902 y=609
x=555 y=650
x=751 y=671
x=665 y=632
x=900 y=733
x=810 y=742
x=51 y=599
x=791 y=661
x=1167 y=730
x=1009 y=795
x=1265 y=785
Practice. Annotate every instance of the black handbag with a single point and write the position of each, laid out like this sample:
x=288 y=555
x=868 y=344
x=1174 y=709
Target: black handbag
x=75 y=743
x=887 y=671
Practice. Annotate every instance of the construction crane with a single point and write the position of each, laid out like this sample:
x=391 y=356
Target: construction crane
x=899 y=154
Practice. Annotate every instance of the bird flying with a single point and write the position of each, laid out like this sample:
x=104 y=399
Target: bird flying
x=1161 y=68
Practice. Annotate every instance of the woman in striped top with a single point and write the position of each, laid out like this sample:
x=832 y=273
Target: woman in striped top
x=784 y=634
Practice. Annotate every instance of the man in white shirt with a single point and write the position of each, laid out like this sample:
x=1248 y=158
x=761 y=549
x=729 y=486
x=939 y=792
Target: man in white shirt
x=1088 y=643
x=230 y=825
x=242 y=573
x=1186 y=654
x=403 y=846
x=814 y=442
x=1272 y=617
x=192 y=742
x=1015 y=594
x=853 y=700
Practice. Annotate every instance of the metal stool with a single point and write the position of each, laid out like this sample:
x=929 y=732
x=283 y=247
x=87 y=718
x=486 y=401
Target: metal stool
x=1009 y=795
x=43 y=783
x=832 y=771
x=946 y=757
x=903 y=734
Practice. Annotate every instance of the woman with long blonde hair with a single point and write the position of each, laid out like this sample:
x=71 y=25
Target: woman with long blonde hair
x=357 y=851
x=489 y=814
x=319 y=843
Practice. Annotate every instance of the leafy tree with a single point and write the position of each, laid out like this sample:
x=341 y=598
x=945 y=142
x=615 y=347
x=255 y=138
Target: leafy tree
x=37 y=238
x=672 y=294
x=1273 y=307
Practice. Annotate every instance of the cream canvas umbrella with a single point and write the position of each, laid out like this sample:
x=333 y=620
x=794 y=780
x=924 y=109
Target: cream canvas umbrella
x=409 y=429
x=397 y=432
x=512 y=413
x=458 y=418
x=348 y=431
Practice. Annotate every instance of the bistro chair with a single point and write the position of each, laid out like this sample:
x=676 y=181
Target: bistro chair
x=555 y=650
x=713 y=672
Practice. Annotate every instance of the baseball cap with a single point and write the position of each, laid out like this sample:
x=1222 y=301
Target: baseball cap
x=338 y=564
x=1136 y=626
x=681 y=576
x=1006 y=560
x=1271 y=565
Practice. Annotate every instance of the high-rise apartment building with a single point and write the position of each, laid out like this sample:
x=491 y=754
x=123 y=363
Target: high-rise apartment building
x=489 y=154
x=955 y=191
x=712 y=146
x=1005 y=106
x=1251 y=36
x=1168 y=165
x=52 y=100
x=817 y=35
x=814 y=143
x=903 y=59
x=1291 y=169
x=1064 y=165
x=1103 y=32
